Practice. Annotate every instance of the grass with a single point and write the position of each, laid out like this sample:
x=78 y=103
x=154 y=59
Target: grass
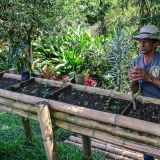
x=12 y=146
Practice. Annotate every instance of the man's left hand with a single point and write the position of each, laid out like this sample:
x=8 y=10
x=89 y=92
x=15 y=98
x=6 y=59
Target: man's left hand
x=143 y=75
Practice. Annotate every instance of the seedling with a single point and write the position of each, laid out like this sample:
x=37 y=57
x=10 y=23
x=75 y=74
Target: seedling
x=86 y=103
x=61 y=96
x=100 y=97
x=34 y=91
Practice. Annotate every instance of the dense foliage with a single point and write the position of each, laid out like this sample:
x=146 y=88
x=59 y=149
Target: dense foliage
x=63 y=38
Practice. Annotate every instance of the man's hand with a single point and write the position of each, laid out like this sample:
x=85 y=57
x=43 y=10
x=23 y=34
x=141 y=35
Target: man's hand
x=137 y=73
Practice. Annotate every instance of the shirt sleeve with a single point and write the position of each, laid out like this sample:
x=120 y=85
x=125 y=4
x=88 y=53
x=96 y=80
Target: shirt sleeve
x=133 y=64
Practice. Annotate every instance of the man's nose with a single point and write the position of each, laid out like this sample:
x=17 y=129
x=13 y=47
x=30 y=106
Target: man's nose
x=142 y=44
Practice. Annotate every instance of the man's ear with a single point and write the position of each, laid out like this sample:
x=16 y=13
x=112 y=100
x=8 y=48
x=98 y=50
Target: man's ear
x=157 y=43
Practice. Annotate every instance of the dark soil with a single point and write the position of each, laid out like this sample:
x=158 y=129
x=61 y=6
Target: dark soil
x=36 y=89
x=144 y=111
x=147 y=112
x=6 y=83
x=93 y=101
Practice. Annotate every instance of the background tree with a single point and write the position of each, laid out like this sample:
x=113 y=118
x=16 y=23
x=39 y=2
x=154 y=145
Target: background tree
x=148 y=11
x=21 y=21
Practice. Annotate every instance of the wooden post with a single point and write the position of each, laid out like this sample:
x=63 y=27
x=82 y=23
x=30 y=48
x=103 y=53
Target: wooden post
x=86 y=147
x=27 y=130
x=48 y=134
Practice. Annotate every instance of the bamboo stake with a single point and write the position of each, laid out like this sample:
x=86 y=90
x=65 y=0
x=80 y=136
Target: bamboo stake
x=95 y=90
x=27 y=130
x=139 y=147
x=18 y=112
x=87 y=147
x=109 y=148
x=48 y=133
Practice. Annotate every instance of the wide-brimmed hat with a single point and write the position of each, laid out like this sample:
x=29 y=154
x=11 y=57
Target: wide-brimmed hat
x=148 y=32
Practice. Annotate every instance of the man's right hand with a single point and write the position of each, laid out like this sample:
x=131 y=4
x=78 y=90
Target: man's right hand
x=134 y=73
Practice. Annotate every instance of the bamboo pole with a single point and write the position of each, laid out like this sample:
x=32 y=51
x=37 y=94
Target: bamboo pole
x=18 y=105
x=107 y=154
x=27 y=130
x=50 y=82
x=95 y=90
x=48 y=133
x=12 y=110
x=139 y=147
x=14 y=76
x=109 y=148
x=116 y=131
x=20 y=97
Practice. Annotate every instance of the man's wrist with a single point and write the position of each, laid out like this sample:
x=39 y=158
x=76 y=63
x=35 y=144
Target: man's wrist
x=150 y=78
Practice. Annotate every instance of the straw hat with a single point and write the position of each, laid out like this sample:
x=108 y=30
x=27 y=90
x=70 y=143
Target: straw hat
x=149 y=32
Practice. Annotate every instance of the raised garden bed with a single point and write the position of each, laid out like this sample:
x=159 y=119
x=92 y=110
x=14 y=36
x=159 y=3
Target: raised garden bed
x=131 y=133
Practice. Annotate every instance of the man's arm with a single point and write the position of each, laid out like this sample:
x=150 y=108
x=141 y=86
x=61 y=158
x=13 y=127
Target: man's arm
x=154 y=81
x=132 y=75
x=134 y=86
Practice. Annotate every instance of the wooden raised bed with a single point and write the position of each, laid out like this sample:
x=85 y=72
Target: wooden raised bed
x=131 y=133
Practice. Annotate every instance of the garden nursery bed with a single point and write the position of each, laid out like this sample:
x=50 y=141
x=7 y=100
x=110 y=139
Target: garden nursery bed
x=78 y=114
x=68 y=94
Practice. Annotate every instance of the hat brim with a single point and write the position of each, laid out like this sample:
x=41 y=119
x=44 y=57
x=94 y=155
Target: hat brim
x=146 y=36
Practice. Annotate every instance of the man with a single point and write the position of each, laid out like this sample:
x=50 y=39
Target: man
x=145 y=71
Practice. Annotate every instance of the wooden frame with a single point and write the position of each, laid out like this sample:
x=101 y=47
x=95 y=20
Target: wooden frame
x=131 y=133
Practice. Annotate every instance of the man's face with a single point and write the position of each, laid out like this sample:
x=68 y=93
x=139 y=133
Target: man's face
x=146 y=46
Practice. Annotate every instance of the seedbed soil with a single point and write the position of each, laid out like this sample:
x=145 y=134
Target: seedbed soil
x=145 y=111
x=89 y=100
x=36 y=89
x=6 y=83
